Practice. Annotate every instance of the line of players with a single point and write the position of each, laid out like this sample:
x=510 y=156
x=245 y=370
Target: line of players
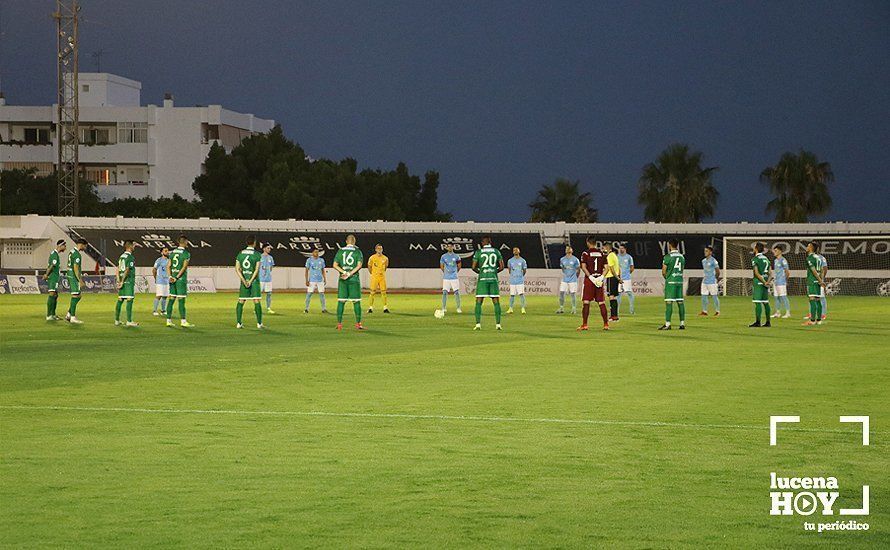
x=607 y=276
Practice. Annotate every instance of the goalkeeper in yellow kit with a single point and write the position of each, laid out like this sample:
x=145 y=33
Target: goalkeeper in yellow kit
x=377 y=265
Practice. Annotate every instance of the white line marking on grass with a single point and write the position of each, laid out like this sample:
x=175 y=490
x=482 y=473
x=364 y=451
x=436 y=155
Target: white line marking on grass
x=405 y=416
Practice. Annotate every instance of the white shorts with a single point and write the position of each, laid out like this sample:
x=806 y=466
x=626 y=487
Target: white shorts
x=162 y=290
x=626 y=285
x=517 y=289
x=266 y=286
x=450 y=285
x=571 y=288
x=315 y=287
x=780 y=290
x=710 y=289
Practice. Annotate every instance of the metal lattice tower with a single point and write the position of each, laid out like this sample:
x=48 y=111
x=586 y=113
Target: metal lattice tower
x=68 y=113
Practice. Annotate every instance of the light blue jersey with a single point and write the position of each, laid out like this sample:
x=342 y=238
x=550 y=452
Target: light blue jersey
x=161 y=265
x=625 y=262
x=517 y=268
x=316 y=269
x=266 y=265
x=823 y=261
x=451 y=261
x=569 y=266
x=779 y=267
x=710 y=266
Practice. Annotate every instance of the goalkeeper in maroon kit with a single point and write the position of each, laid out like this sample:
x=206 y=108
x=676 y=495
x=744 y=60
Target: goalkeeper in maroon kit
x=595 y=268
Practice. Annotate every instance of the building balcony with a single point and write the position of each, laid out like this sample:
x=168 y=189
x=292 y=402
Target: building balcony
x=44 y=152
x=123 y=153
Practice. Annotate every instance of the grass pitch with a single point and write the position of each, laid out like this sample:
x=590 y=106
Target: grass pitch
x=421 y=432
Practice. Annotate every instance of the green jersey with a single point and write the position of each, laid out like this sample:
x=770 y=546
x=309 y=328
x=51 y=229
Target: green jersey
x=74 y=260
x=348 y=258
x=760 y=264
x=813 y=264
x=126 y=261
x=53 y=264
x=676 y=264
x=178 y=257
x=249 y=260
x=488 y=261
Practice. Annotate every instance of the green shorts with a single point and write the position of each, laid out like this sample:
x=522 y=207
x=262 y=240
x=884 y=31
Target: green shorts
x=814 y=290
x=53 y=283
x=673 y=292
x=180 y=288
x=74 y=284
x=128 y=290
x=349 y=290
x=760 y=294
x=488 y=289
x=249 y=292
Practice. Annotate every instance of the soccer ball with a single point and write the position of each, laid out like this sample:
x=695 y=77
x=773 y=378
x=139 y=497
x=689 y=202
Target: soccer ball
x=439 y=314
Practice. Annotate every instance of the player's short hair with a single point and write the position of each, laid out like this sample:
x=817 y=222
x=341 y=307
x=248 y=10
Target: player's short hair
x=251 y=239
x=128 y=242
x=607 y=243
x=350 y=236
x=182 y=237
x=267 y=245
x=378 y=244
x=674 y=242
x=758 y=247
x=60 y=242
x=591 y=239
x=709 y=248
x=622 y=245
x=813 y=244
x=80 y=241
x=486 y=240
x=777 y=247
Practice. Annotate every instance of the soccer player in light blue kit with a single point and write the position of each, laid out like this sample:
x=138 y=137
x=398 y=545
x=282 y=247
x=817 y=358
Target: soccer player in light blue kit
x=315 y=280
x=825 y=290
x=517 y=267
x=161 y=273
x=709 y=286
x=266 y=265
x=625 y=276
x=780 y=274
x=449 y=263
x=570 y=266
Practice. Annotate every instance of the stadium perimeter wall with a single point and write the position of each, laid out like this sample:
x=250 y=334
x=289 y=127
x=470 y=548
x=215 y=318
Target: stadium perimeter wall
x=413 y=247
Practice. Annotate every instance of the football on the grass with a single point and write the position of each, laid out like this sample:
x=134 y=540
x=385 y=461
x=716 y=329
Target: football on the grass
x=438 y=314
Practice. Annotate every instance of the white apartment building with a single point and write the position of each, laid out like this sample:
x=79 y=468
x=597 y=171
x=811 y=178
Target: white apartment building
x=128 y=149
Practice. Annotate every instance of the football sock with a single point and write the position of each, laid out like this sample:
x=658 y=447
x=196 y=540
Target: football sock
x=512 y=299
x=357 y=308
x=478 y=312
x=129 y=311
x=170 y=308
x=445 y=300
x=497 y=312
x=757 y=312
x=823 y=307
x=49 y=304
x=239 y=311
x=117 y=310
x=819 y=311
x=182 y=308
x=154 y=306
x=522 y=300
x=323 y=303
x=562 y=299
x=681 y=307
x=573 y=300
x=456 y=299
x=258 y=309
x=308 y=298
x=668 y=312
x=341 y=305
x=704 y=302
x=812 y=310
x=787 y=304
x=604 y=314
x=72 y=309
x=630 y=298
x=371 y=300
x=613 y=305
x=268 y=300
x=585 y=313
x=767 y=311
x=716 y=303
x=383 y=295
x=163 y=303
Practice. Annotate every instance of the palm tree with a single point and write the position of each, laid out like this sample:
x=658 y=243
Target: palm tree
x=676 y=189
x=563 y=202
x=799 y=184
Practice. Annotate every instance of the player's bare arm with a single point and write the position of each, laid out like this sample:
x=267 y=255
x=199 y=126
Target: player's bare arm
x=501 y=265
x=307 y=276
x=122 y=278
x=239 y=272
x=77 y=274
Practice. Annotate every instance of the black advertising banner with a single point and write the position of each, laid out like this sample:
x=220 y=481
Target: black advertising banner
x=291 y=248
x=647 y=250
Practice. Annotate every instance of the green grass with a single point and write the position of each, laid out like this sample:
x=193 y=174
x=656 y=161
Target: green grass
x=86 y=463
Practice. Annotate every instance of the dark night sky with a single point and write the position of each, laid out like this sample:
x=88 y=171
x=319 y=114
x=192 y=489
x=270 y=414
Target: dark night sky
x=501 y=97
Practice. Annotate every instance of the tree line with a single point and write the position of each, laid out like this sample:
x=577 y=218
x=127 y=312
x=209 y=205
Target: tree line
x=677 y=188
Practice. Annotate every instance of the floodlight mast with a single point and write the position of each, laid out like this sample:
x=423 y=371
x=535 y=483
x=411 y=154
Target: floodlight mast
x=67 y=125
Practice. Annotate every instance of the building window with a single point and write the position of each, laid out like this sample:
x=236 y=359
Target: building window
x=100 y=175
x=37 y=136
x=132 y=132
x=95 y=136
x=85 y=88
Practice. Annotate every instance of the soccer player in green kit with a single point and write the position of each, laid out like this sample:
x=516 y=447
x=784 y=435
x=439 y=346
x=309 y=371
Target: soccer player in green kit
x=672 y=268
x=347 y=262
x=51 y=276
x=179 y=284
x=760 y=285
x=488 y=262
x=247 y=267
x=75 y=280
x=815 y=285
x=126 y=284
